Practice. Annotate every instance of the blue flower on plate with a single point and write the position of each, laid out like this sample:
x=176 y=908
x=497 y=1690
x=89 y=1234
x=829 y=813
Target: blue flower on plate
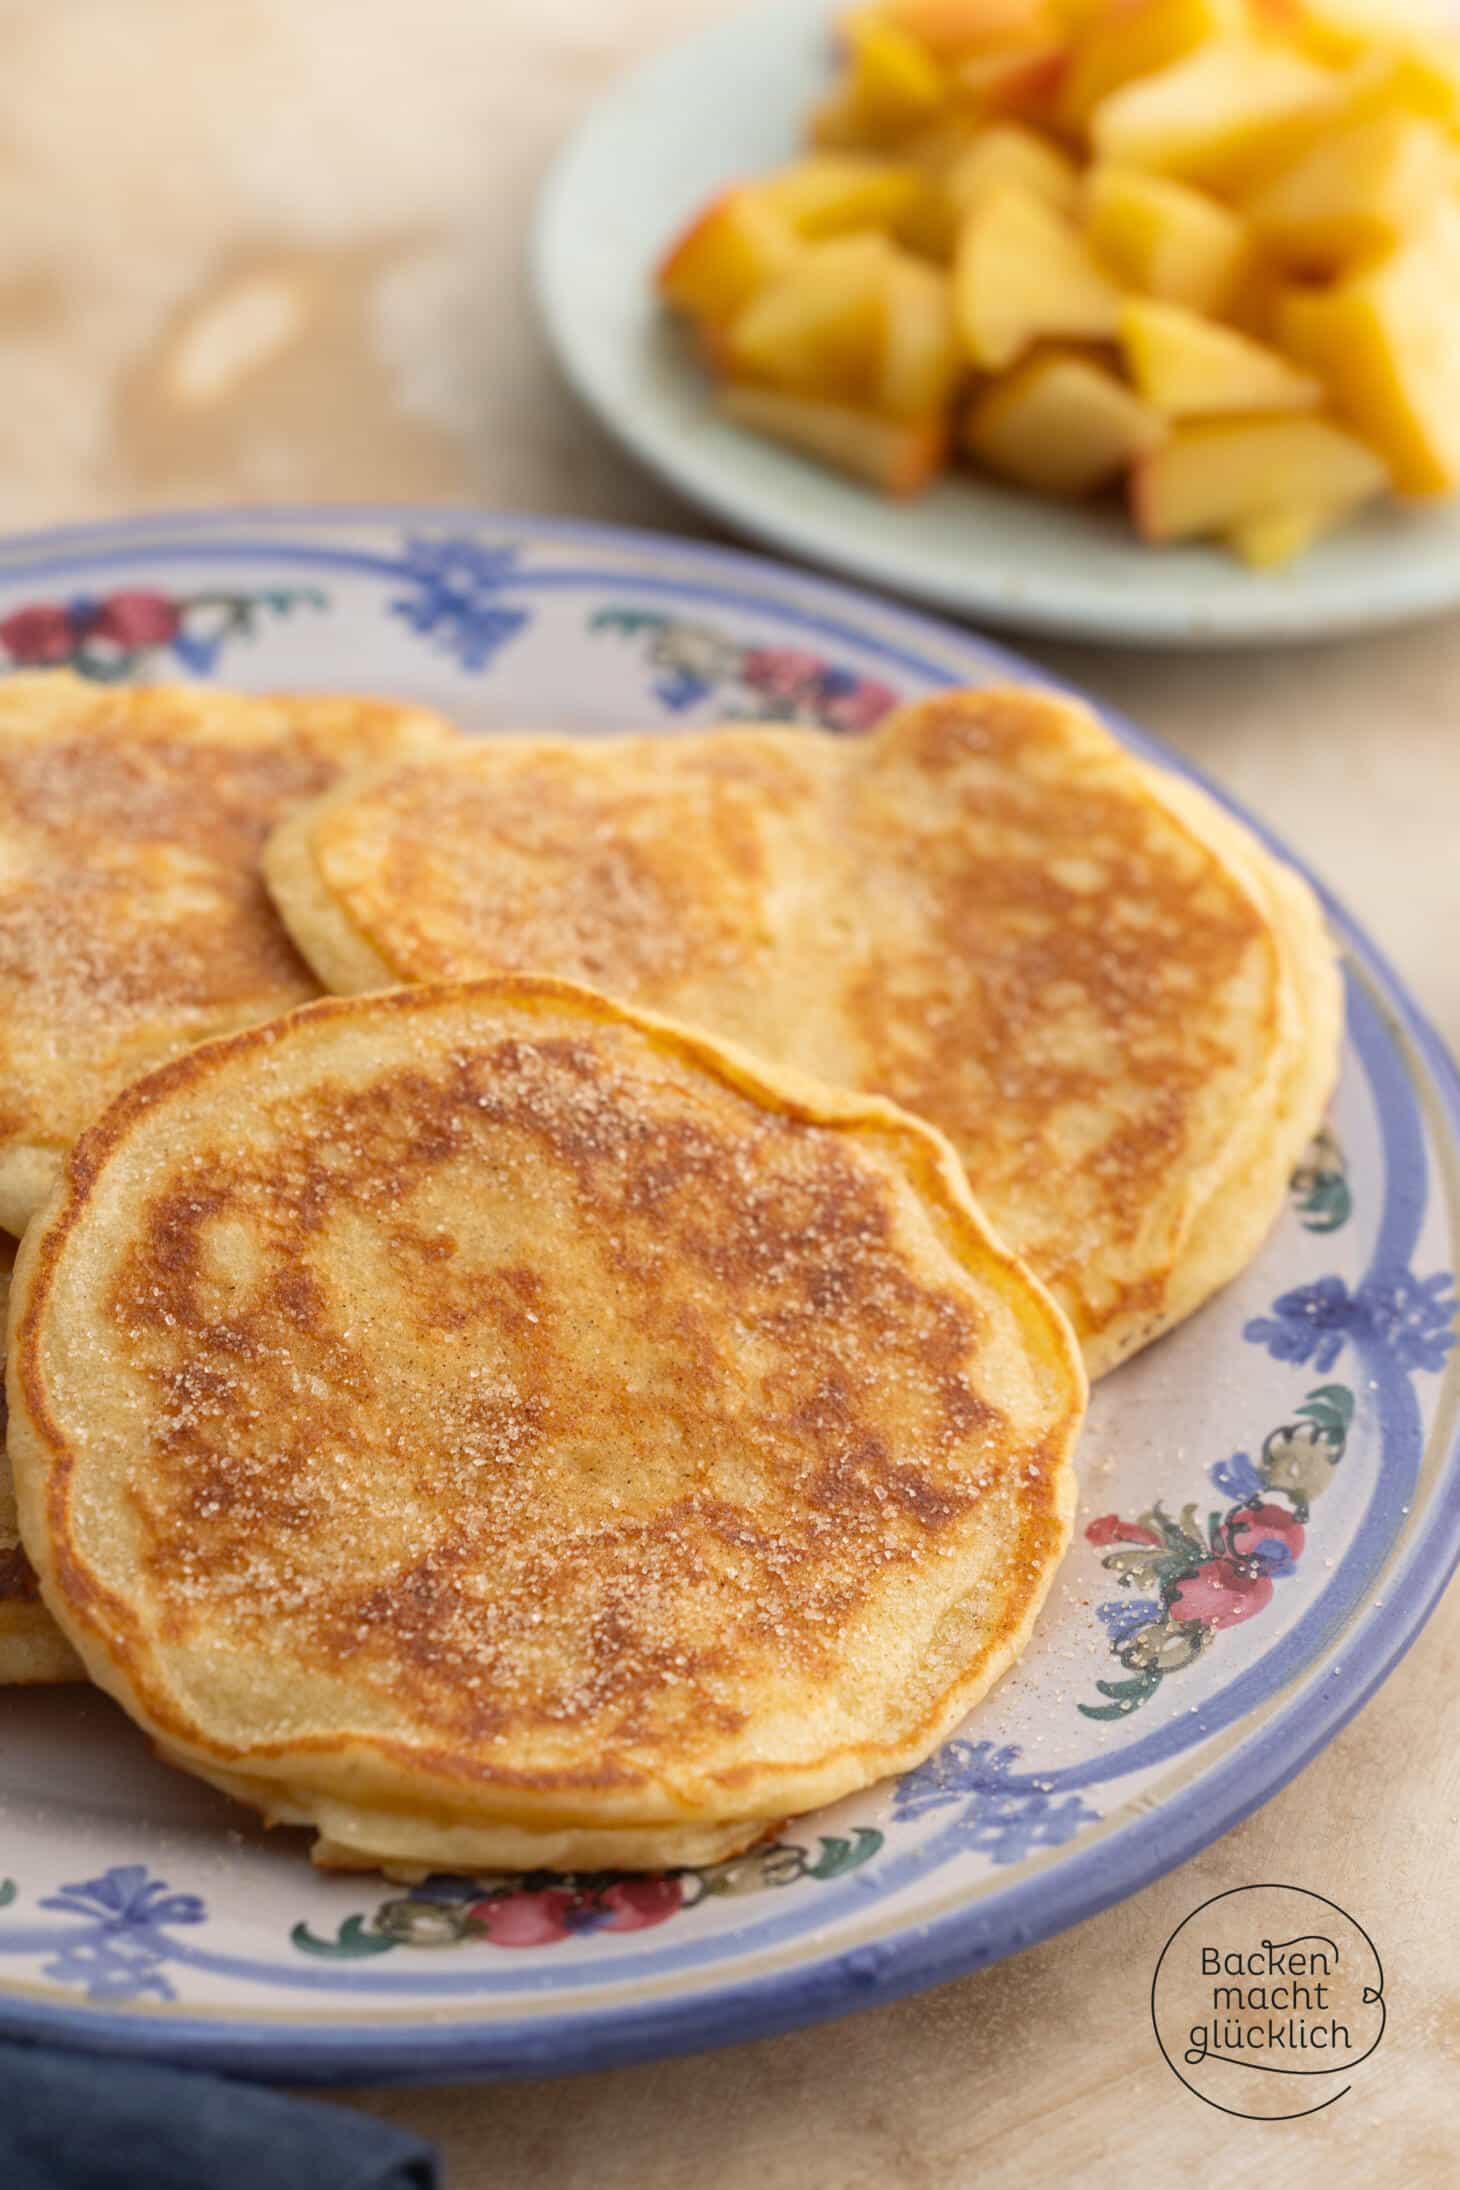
x=1122 y=1616
x=118 y=1953
x=455 y=596
x=1003 y=1817
x=1411 y=1318
x=1237 y=1478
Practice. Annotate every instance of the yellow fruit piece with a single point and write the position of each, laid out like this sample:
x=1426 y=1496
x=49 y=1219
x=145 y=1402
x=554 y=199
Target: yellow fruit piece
x=899 y=457
x=1387 y=342
x=1135 y=41
x=1023 y=82
x=965 y=164
x=921 y=362
x=1166 y=239
x=725 y=255
x=1338 y=30
x=1416 y=76
x=1021 y=273
x=818 y=329
x=1007 y=153
x=953 y=29
x=1421 y=77
x=1355 y=194
x=1060 y=425
x=1190 y=367
x=1279 y=537
x=895 y=82
x=830 y=193
x=1212 y=477
x=1225 y=115
x=1076 y=16
x=839 y=123
x=935 y=148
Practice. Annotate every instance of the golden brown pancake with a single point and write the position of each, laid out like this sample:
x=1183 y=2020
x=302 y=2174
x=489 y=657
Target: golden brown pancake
x=493 y=1426
x=1119 y=1008
x=32 y=1647
x=133 y=920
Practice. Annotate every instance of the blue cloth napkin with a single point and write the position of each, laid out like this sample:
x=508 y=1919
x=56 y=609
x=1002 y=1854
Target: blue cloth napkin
x=74 y=2121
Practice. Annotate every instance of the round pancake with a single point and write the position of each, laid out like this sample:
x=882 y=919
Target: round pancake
x=133 y=920
x=1119 y=1008
x=32 y=1647
x=496 y=1426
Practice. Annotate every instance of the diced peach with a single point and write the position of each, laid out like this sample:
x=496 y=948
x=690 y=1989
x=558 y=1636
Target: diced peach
x=1007 y=153
x=1076 y=16
x=952 y=29
x=1022 y=273
x=1338 y=30
x=1387 y=342
x=1280 y=19
x=921 y=361
x=1419 y=77
x=1137 y=41
x=1165 y=238
x=829 y=193
x=818 y=329
x=1211 y=477
x=896 y=83
x=1279 y=537
x=839 y=123
x=900 y=457
x=1253 y=309
x=726 y=254
x=1226 y=115
x=1355 y=194
x=1022 y=83
x=1190 y=367
x=1060 y=424
x=967 y=164
x=935 y=148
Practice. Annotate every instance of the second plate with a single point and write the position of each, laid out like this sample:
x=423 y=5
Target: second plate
x=730 y=103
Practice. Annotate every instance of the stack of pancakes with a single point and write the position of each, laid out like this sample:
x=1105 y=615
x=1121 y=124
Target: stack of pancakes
x=608 y=1379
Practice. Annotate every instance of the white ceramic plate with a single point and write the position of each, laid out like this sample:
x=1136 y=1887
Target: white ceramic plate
x=730 y=103
x=1270 y=1503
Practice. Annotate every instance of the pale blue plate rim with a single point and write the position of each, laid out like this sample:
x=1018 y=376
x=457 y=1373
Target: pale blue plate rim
x=1041 y=1905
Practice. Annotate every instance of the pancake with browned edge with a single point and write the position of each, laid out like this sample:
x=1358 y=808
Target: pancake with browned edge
x=492 y=1426
x=1122 y=1011
x=133 y=920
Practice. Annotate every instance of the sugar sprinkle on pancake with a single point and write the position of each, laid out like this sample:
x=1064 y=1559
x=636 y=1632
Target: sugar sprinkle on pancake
x=1119 y=1008
x=494 y=1426
x=133 y=920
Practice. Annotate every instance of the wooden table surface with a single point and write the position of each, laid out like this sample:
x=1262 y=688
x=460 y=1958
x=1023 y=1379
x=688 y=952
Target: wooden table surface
x=368 y=167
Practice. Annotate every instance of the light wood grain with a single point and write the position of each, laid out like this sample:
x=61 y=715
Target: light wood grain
x=361 y=172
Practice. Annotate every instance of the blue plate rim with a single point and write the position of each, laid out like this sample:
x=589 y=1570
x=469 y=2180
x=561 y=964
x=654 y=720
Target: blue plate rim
x=1043 y=1904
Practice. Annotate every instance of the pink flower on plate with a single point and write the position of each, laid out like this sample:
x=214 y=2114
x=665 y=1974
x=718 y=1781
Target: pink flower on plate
x=1110 y=1529
x=635 y=1903
x=1254 y=1526
x=780 y=672
x=525 y=1919
x=40 y=633
x=865 y=704
x=1223 y=1593
x=137 y=619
